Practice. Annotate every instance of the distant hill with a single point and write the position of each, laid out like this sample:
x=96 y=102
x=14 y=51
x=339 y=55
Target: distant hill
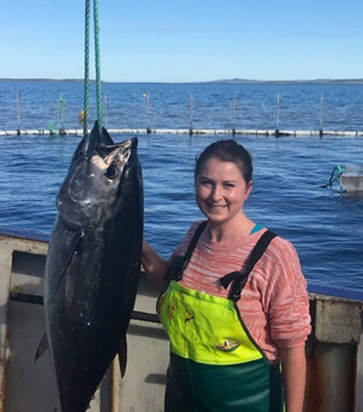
x=316 y=81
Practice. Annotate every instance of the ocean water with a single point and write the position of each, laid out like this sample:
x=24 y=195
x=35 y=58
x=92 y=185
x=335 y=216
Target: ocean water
x=325 y=225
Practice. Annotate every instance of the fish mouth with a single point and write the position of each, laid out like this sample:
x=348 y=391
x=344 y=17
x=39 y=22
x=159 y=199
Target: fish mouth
x=127 y=145
x=100 y=140
x=130 y=144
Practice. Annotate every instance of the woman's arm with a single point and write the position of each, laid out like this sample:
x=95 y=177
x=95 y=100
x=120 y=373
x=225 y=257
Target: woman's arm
x=154 y=266
x=294 y=375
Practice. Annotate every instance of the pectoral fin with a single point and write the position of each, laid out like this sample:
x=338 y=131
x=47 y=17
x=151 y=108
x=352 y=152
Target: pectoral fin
x=74 y=243
x=43 y=346
x=122 y=356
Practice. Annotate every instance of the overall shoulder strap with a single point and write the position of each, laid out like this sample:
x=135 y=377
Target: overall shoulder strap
x=179 y=263
x=239 y=278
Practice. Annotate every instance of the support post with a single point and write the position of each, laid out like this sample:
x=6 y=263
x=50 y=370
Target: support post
x=191 y=115
x=321 y=114
x=105 y=110
x=18 y=112
x=234 y=115
x=277 y=132
x=148 y=129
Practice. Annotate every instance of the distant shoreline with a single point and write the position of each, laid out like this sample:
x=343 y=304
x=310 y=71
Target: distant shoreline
x=223 y=81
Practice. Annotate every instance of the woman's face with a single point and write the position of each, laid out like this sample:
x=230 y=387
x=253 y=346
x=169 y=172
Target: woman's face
x=221 y=190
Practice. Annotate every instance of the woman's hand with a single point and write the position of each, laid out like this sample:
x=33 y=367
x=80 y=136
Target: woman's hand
x=154 y=266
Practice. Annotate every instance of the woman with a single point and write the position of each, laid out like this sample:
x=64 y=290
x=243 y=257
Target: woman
x=234 y=301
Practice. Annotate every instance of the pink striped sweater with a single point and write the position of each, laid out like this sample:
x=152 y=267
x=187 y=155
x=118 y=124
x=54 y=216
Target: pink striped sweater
x=274 y=303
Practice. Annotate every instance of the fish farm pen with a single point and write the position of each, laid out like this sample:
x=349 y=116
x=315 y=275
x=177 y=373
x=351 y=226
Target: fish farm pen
x=232 y=132
x=200 y=115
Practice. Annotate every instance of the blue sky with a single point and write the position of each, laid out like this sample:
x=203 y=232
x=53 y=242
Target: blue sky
x=186 y=40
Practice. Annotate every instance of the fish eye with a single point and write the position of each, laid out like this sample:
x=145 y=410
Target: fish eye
x=112 y=172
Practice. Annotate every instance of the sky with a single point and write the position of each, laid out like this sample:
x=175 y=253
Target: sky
x=185 y=40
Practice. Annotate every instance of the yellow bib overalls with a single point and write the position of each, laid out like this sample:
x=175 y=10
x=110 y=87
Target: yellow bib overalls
x=215 y=366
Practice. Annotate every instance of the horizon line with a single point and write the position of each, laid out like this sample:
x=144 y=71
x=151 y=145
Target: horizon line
x=220 y=81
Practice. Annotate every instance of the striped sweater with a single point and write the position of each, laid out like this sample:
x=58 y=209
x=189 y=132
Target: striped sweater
x=274 y=302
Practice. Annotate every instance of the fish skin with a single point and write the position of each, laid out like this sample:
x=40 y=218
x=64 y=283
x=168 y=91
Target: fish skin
x=93 y=265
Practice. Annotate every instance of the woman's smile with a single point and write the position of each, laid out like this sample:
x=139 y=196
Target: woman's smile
x=212 y=206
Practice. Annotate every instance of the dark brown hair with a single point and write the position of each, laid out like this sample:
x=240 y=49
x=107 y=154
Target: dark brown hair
x=226 y=151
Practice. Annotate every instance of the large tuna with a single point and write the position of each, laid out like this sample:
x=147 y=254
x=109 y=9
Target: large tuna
x=92 y=266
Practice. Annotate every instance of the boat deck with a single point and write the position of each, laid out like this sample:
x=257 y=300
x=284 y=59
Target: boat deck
x=334 y=352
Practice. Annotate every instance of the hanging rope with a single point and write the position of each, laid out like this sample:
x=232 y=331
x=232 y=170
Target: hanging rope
x=98 y=64
x=86 y=70
x=86 y=66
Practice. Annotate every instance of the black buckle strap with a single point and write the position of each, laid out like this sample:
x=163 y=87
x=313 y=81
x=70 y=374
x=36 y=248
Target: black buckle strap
x=239 y=278
x=179 y=262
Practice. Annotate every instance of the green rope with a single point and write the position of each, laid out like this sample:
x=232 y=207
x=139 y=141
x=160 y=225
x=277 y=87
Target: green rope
x=98 y=65
x=86 y=70
x=86 y=67
x=335 y=175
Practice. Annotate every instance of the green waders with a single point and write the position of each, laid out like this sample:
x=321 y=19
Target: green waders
x=215 y=366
